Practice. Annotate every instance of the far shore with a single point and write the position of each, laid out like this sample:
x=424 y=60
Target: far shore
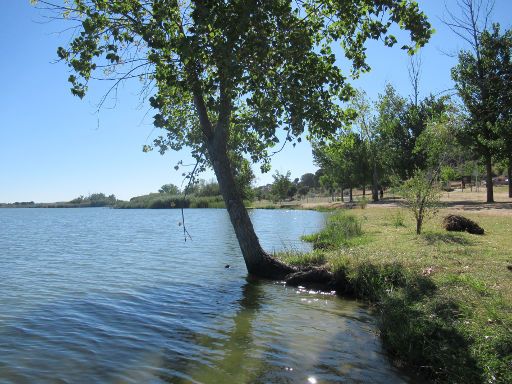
x=457 y=200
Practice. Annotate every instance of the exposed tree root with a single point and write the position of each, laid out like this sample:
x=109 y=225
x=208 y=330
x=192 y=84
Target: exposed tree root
x=311 y=276
x=271 y=268
x=275 y=269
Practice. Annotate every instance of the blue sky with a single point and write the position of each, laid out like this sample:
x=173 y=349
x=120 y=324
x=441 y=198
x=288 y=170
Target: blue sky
x=54 y=147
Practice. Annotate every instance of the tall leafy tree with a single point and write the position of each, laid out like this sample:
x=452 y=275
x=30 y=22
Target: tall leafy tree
x=344 y=159
x=230 y=75
x=281 y=185
x=474 y=81
x=399 y=124
x=308 y=180
x=366 y=126
x=498 y=44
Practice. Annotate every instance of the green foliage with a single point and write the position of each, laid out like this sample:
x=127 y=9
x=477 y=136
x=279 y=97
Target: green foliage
x=482 y=81
x=309 y=180
x=422 y=196
x=226 y=70
x=170 y=189
x=166 y=201
x=362 y=202
x=310 y=259
x=281 y=186
x=244 y=177
x=341 y=230
x=94 y=200
x=204 y=188
x=438 y=144
x=343 y=159
x=400 y=125
x=448 y=174
x=398 y=219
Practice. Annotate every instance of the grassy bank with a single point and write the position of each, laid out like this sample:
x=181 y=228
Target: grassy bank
x=444 y=300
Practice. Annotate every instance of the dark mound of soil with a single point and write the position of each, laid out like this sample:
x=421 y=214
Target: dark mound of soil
x=461 y=224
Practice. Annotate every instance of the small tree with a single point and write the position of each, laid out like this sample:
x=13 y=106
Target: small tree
x=447 y=175
x=422 y=195
x=437 y=145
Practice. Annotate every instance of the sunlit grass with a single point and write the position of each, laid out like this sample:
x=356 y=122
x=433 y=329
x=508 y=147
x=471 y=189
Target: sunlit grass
x=444 y=299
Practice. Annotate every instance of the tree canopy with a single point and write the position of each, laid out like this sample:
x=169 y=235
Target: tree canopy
x=229 y=75
x=256 y=65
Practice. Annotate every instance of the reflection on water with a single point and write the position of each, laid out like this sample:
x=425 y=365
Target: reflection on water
x=99 y=295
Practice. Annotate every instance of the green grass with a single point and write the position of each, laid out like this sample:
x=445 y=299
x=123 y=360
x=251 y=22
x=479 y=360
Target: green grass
x=296 y=258
x=443 y=300
x=341 y=230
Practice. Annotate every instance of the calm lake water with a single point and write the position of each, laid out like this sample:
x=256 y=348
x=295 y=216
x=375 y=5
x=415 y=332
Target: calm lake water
x=117 y=296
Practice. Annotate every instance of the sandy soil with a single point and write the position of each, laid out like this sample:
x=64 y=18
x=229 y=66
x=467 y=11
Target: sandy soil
x=472 y=201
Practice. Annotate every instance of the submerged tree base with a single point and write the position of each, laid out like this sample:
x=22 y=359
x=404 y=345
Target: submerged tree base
x=271 y=268
x=274 y=269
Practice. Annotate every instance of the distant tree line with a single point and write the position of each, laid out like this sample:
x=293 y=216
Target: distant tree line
x=95 y=200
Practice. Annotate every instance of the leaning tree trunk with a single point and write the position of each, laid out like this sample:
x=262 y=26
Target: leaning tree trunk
x=488 y=179
x=258 y=262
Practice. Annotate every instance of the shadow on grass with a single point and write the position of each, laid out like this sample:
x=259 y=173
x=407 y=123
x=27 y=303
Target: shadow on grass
x=417 y=323
x=477 y=205
x=447 y=238
x=422 y=335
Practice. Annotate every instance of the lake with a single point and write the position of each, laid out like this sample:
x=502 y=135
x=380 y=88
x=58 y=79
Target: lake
x=99 y=295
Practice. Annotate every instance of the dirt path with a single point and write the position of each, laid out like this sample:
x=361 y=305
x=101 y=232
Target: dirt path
x=470 y=201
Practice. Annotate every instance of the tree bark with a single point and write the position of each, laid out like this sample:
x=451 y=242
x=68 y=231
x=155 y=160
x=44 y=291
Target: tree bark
x=510 y=176
x=419 y=222
x=350 y=195
x=375 y=184
x=258 y=262
x=488 y=178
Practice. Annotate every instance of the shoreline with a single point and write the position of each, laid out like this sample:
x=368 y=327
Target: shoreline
x=443 y=300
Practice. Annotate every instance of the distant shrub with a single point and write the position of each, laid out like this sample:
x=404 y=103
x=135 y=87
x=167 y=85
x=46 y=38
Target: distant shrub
x=363 y=202
x=398 y=219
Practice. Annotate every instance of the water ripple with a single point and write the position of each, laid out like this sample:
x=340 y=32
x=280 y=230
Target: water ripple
x=111 y=296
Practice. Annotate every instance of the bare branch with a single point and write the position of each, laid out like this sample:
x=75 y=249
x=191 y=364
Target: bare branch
x=414 y=70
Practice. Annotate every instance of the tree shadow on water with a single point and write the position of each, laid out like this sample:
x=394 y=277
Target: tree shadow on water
x=226 y=358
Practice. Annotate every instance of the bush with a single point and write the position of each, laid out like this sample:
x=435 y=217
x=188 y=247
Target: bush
x=362 y=203
x=340 y=229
